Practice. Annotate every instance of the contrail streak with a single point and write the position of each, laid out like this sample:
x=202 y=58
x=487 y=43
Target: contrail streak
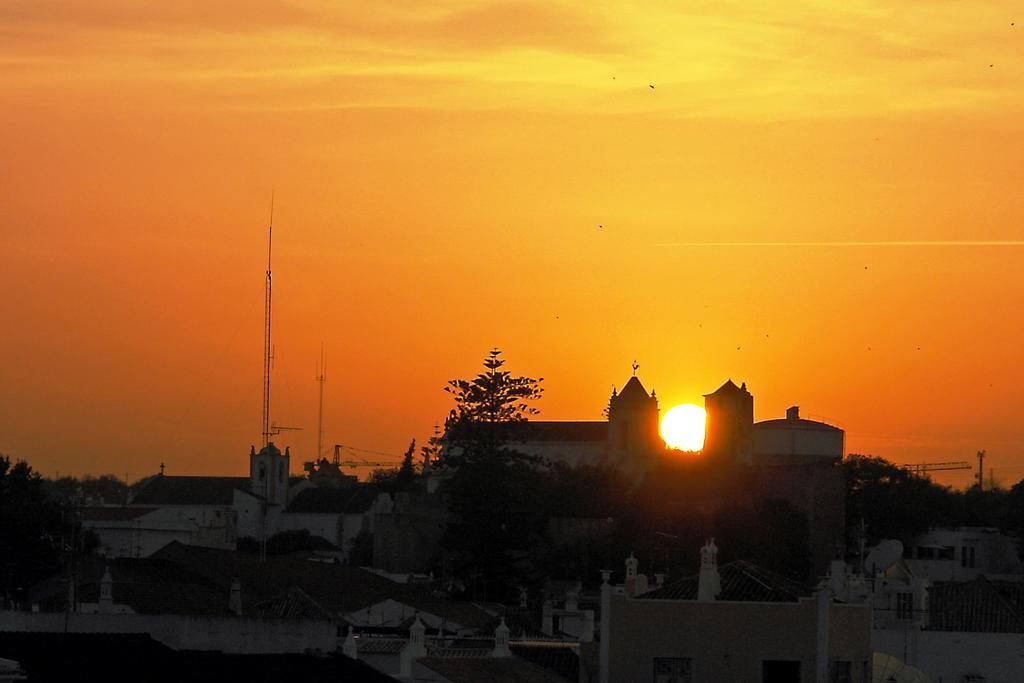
x=916 y=243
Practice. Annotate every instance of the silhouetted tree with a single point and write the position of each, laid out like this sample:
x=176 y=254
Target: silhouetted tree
x=487 y=408
x=1013 y=519
x=494 y=494
x=105 y=489
x=894 y=502
x=407 y=472
x=30 y=528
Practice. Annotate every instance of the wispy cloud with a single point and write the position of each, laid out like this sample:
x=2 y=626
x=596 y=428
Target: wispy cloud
x=731 y=59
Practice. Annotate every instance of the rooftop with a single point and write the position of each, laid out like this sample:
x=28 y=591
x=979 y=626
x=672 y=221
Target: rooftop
x=980 y=605
x=166 y=490
x=330 y=499
x=740 y=581
x=799 y=423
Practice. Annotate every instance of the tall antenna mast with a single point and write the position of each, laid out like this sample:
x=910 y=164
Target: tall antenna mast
x=321 y=378
x=267 y=353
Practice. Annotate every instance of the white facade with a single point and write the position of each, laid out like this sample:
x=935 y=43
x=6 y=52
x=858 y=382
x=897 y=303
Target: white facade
x=794 y=438
x=963 y=554
x=953 y=657
x=211 y=526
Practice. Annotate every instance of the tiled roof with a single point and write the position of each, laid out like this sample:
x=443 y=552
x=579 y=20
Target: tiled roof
x=740 y=581
x=114 y=514
x=491 y=669
x=379 y=646
x=560 y=660
x=329 y=499
x=337 y=588
x=164 y=490
x=292 y=603
x=124 y=658
x=977 y=606
x=520 y=621
x=148 y=586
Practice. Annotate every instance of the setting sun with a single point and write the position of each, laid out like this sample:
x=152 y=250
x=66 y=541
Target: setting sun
x=683 y=427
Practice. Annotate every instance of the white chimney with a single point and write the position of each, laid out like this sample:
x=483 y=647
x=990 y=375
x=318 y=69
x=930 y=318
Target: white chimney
x=349 y=648
x=631 y=566
x=501 y=648
x=709 y=583
x=106 y=592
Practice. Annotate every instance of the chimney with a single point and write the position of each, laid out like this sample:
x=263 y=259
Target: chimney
x=417 y=637
x=348 y=648
x=631 y=566
x=708 y=581
x=501 y=648
x=414 y=649
x=106 y=592
x=572 y=598
x=235 y=597
x=793 y=413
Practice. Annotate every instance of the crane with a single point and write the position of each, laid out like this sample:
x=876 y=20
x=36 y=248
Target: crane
x=361 y=463
x=922 y=467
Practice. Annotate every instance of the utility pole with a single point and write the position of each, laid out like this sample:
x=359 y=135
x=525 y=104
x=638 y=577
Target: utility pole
x=981 y=470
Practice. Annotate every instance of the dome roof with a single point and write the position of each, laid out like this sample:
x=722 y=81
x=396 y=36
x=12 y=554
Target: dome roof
x=270 y=449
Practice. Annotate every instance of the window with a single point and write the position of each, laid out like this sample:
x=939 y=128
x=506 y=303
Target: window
x=947 y=552
x=673 y=670
x=904 y=606
x=925 y=552
x=779 y=671
x=967 y=557
x=842 y=672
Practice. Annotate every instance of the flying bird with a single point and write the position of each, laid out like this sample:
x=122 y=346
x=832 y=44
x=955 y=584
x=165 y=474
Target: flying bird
x=652 y=86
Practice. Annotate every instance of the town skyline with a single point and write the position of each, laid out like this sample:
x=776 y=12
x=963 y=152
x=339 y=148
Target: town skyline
x=820 y=201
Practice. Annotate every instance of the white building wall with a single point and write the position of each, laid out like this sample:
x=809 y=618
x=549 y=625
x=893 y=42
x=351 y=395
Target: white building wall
x=802 y=442
x=211 y=526
x=994 y=555
x=950 y=656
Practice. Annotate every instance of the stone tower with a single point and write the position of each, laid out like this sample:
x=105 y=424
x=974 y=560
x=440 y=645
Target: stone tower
x=729 y=429
x=268 y=473
x=633 y=422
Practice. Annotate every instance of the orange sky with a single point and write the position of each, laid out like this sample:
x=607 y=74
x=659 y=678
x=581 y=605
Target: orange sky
x=441 y=171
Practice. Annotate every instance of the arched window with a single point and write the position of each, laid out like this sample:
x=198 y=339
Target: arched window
x=280 y=472
x=263 y=472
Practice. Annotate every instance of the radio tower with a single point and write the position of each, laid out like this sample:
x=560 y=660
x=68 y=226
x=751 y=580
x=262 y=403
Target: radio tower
x=266 y=331
x=321 y=377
